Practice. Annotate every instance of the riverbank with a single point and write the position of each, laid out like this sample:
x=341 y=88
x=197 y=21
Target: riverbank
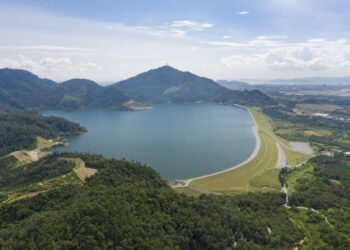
x=185 y=183
x=257 y=173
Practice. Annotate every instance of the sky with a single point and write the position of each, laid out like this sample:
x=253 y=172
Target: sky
x=111 y=40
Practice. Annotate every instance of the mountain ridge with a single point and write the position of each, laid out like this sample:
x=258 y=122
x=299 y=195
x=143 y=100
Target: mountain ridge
x=21 y=89
x=167 y=84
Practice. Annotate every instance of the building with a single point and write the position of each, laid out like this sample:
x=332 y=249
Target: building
x=327 y=153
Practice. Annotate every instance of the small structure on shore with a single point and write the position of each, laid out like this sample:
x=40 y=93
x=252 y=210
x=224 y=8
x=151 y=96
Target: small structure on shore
x=176 y=183
x=327 y=153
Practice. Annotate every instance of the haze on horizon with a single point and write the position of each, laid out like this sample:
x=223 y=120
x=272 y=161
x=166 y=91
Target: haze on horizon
x=108 y=41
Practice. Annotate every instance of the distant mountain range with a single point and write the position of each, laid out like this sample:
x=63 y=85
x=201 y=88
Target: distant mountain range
x=312 y=80
x=235 y=85
x=22 y=89
x=345 y=80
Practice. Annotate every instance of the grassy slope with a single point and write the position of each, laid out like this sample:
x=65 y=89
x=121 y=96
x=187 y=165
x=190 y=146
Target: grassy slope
x=24 y=191
x=258 y=174
x=304 y=172
x=42 y=143
x=293 y=157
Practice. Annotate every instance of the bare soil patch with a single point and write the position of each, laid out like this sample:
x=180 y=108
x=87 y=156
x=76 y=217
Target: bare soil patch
x=302 y=147
x=84 y=172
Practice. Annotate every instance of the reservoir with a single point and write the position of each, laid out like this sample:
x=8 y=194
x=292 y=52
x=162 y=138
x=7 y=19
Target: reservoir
x=178 y=140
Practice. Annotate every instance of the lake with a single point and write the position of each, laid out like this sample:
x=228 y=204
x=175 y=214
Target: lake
x=179 y=141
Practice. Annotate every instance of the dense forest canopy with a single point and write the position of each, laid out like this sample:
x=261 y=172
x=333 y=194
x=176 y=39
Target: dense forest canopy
x=128 y=206
x=19 y=129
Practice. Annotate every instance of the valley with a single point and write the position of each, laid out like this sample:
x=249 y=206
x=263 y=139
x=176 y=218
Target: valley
x=174 y=125
x=280 y=152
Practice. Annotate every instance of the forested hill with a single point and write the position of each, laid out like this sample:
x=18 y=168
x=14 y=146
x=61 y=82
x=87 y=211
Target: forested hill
x=21 y=89
x=19 y=129
x=169 y=85
x=128 y=206
x=166 y=84
x=80 y=93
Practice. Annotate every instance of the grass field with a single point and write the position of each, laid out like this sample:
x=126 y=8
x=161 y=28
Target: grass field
x=309 y=109
x=42 y=143
x=298 y=132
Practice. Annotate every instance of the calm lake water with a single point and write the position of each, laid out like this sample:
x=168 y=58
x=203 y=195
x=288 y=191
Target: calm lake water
x=179 y=141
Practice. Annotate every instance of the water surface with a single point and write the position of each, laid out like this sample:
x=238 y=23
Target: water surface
x=179 y=141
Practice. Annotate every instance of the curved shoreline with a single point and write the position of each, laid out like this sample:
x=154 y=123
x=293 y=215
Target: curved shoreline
x=185 y=183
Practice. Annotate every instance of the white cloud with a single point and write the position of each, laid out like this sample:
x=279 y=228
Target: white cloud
x=296 y=59
x=60 y=47
x=180 y=28
x=191 y=25
x=242 y=60
x=50 y=62
x=46 y=48
x=312 y=56
x=244 y=12
x=47 y=64
x=178 y=32
x=21 y=62
x=272 y=37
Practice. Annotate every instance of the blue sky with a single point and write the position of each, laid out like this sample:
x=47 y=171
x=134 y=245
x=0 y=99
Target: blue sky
x=223 y=39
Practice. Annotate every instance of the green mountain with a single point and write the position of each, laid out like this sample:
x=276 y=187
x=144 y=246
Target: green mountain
x=169 y=85
x=166 y=84
x=22 y=89
x=79 y=93
x=19 y=129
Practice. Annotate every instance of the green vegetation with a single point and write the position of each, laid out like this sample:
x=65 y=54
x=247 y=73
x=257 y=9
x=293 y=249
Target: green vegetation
x=127 y=206
x=42 y=143
x=310 y=108
x=319 y=196
x=60 y=203
x=17 y=182
x=330 y=187
x=20 y=89
x=20 y=130
x=318 y=233
x=297 y=176
x=322 y=133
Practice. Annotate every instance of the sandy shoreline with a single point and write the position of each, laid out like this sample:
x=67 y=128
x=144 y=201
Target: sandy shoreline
x=185 y=183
